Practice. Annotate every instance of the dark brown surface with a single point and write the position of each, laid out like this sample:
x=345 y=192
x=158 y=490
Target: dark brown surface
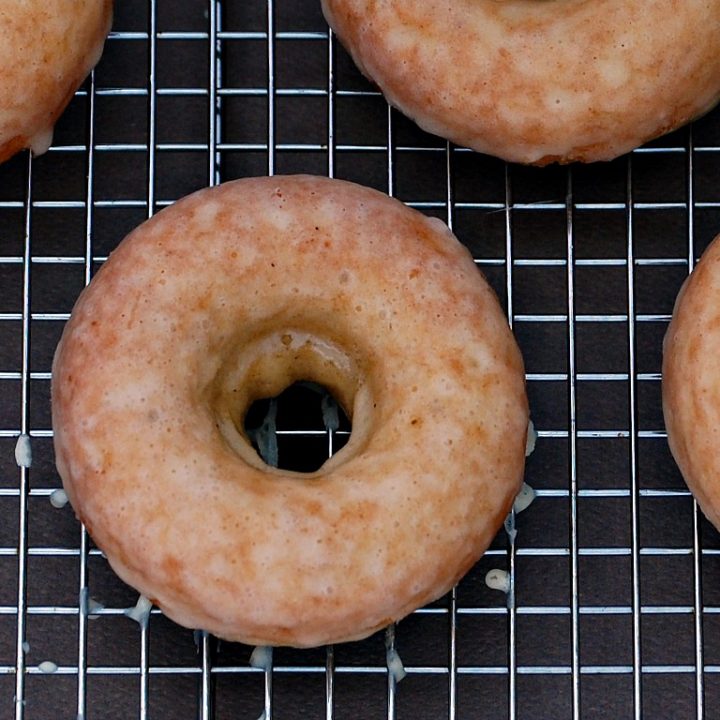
x=657 y=181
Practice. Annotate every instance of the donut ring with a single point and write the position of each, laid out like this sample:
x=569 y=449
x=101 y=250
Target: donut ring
x=538 y=82
x=691 y=382
x=231 y=295
x=48 y=48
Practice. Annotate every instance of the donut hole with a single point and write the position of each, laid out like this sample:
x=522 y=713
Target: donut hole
x=299 y=429
x=268 y=397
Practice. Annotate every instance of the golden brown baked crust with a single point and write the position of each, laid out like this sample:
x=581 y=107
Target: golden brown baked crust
x=234 y=293
x=539 y=81
x=47 y=48
x=691 y=382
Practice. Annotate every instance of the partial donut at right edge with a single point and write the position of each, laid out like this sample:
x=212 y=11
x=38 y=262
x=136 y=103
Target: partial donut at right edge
x=691 y=382
x=539 y=81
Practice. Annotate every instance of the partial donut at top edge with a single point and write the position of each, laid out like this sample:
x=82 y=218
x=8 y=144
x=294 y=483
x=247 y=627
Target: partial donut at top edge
x=536 y=81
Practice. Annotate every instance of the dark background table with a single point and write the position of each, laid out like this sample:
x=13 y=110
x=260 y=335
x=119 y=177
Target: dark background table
x=617 y=579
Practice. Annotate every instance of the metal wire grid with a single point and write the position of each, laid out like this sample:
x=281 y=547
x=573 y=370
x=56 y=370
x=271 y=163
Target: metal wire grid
x=612 y=570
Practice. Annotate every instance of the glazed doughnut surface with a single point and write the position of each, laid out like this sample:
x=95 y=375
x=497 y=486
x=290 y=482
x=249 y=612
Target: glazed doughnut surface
x=231 y=295
x=539 y=81
x=47 y=48
x=691 y=382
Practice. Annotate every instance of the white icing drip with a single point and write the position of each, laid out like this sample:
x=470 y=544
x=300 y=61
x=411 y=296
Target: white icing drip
x=330 y=413
x=26 y=647
x=23 y=451
x=531 y=439
x=395 y=665
x=524 y=499
x=328 y=405
x=509 y=526
x=262 y=657
x=47 y=666
x=58 y=499
x=497 y=579
x=141 y=612
x=439 y=225
x=40 y=142
x=94 y=608
x=265 y=436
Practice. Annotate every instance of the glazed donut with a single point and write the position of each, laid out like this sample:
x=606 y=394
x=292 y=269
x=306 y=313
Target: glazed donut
x=691 y=382
x=231 y=295
x=539 y=82
x=48 y=47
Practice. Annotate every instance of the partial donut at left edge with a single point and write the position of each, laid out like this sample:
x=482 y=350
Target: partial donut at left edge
x=47 y=48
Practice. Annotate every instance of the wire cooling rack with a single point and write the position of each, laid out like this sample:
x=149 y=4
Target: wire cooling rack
x=615 y=608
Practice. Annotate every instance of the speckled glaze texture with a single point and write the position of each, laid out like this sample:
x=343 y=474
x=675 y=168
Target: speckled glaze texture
x=232 y=294
x=691 y=382
x=47 y=48
x=539 y=81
